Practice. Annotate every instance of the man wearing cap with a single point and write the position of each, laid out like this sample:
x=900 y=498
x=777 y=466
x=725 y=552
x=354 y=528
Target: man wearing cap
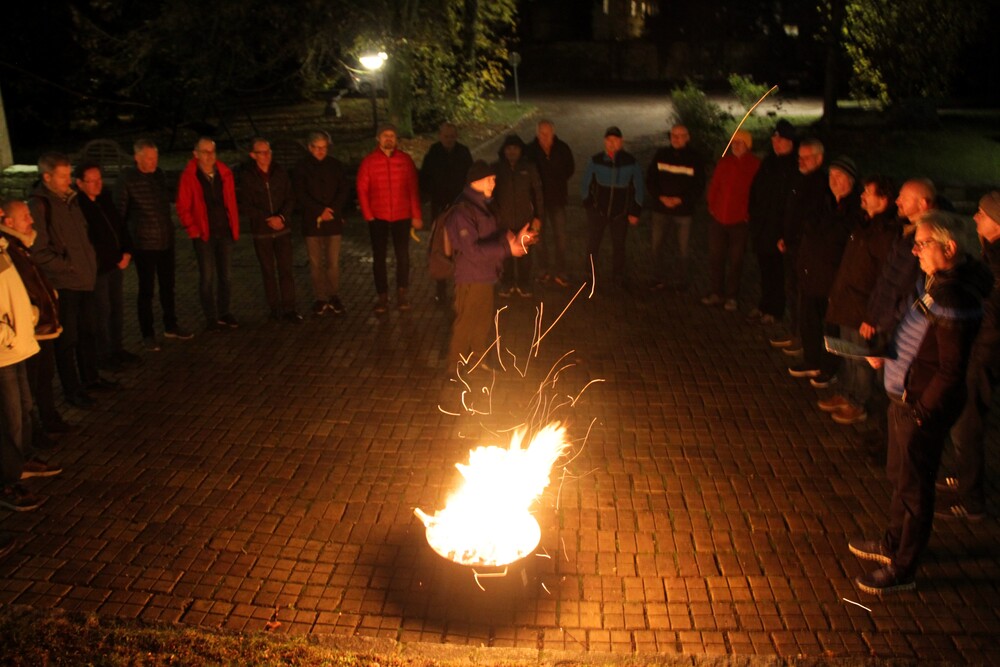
x=824 y=237
x=479 y=247
x=768 y=199
x=517 y=201
x=612 y=189
x=389 y=198
x=964 y=494
x=676 y=177
x=728 y=198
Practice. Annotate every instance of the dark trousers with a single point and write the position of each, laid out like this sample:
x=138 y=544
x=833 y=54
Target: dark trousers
x=726 y=247
x=380 y=231
x=41 y=370
x=215 y=263
x=517 y=272
x=553 y=240
x=969 y=433
x=152 y=266
x=109 y=298
x=812 y=328
x=76 y=348
x=772 y=284
x=619 y=229
x=470 y=332
x=275 y=256
x=913 y=459
x=15 y=403
x=788 y=259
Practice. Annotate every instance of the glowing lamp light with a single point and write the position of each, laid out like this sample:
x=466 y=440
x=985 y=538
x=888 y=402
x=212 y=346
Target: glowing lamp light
x=374 y=61
x=487 y=521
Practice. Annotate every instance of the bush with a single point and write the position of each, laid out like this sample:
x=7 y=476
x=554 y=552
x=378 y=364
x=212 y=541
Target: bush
x=704 y=119
x=746 y=90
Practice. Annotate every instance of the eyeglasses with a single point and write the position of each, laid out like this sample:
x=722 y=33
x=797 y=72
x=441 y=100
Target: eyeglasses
x=921 y=245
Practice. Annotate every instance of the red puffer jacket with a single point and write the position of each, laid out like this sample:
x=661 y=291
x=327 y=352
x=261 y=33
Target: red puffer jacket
x=191 y=207
x=729 y=189
x=387 y=187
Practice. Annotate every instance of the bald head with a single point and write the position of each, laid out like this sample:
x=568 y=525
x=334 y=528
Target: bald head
x=916 y=197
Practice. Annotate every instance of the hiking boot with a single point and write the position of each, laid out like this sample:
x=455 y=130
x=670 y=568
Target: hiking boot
x=850 y=414
x=873 y=550
x=382 y=304
x=884 y=580
x=16 y=497
x=959 y=511
x=833 y=403
x=401 y=301
x=37 y=468
x=179 y=333
x=823 y=381
x=711 y=300
x=336 y=305
x=801 y=371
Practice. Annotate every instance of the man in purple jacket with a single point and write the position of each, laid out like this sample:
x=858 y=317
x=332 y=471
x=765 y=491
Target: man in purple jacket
x=479 y=249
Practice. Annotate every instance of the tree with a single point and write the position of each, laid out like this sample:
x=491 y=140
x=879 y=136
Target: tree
x=904 y=51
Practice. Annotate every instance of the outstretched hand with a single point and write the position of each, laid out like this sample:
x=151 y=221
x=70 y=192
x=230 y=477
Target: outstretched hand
x=519 y=242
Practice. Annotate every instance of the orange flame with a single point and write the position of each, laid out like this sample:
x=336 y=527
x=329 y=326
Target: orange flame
x=487 y=520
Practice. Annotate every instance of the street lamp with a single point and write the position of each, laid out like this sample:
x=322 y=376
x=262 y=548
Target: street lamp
x=373 y=63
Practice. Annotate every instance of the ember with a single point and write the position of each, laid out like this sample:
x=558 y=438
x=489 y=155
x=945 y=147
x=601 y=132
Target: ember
x=488 y=521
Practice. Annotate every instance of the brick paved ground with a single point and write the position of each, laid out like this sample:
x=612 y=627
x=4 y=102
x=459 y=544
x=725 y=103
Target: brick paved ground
x=277 y=467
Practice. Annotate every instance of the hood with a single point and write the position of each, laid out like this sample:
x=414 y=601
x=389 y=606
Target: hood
x=510 y=140
x=27 y=239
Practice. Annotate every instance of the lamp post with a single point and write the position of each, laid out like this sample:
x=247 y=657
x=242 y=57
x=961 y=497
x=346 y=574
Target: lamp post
x=373 y=63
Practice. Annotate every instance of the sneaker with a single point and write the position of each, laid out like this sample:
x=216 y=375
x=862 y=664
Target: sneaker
x=767 y=319
x=873 y=550
x=823 y=381
x=959 y=511
x=711 y=300
x=794 y=350
x=336 y=305
x=561 y=280
x=884 y=580
x=947 y=484
x=800 y=371
x=319 y=307
x=755 y=315
x=292 y=317
x=179 y=333
x=833 y=403
x=505 y=292
x=523 y=292
x=850 y=414
x=781 y=341
x=382 y=304
x=37 y=468
x=729 y=305
x=150 y=344
x=228 y=320
x=16 y=497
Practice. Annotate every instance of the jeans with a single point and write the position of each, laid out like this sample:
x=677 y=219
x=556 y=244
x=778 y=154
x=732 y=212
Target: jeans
x=619 y=229
x=858 y=375
x=15 y=402
x=76 y=349
x=660 y=222
x=215 y=259
x=324 y=265
x=275 y=256
x=152 y=266
x=109 y=308
x=380 y=230
x=552 y=248
x=41 y=369
x=726 y=247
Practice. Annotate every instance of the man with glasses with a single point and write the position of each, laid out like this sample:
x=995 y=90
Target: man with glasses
x=925 y=381
x=206 y=205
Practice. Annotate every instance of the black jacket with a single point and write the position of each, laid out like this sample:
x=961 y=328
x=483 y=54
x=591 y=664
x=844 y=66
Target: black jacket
x=769 y=198
x=261 y=196
x=554 y=170
x=517 y=197
x=442 y=174
x=868 y=244
x=823 y=240
x=808 y=199
x=986 y=351
x=318 y=185
x=106 y=230
x=675 y=173
x=143 y=202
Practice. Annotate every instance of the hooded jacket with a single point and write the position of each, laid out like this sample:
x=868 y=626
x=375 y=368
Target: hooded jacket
x=517 y=197
x=868 y=244
x=44 y=298
x=478 y=245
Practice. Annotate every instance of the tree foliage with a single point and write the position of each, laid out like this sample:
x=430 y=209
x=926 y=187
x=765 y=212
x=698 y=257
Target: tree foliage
x=905 y=50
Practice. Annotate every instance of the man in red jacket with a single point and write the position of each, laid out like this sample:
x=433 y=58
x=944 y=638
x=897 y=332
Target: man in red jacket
x=206 y=205
x=389 y=198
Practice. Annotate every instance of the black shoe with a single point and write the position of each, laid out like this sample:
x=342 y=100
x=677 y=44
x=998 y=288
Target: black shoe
x=229 y=321
x=104 y=384
x=336 y=305
x=960 y=511
x=318 y=308
x=801 y=371
x=58 y=427
x=292 y=317
x=16 y=497
x=885 y=580
x=178 y=333
x=81 y=399
x=873 y=550
x=37 y=468
x=823 y=380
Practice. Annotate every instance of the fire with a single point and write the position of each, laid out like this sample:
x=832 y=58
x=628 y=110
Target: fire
x=487 y=520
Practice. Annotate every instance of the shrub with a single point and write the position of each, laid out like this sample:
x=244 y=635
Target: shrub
x=746 y=90
x=704 y=119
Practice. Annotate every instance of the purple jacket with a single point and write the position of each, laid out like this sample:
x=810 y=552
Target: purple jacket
x=477 y=244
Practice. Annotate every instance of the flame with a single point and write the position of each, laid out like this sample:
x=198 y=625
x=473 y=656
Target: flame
x=487 y=520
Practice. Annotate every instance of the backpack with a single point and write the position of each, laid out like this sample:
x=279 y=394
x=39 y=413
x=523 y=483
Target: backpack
x=440 y=261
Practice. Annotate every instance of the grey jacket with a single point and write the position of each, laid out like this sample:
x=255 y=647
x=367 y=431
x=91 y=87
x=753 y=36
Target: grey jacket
x=62 y=249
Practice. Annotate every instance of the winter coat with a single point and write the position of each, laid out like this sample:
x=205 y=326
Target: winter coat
x=442 y=174
x=868 y=244
x=675 y=173
x=808 y=199
x=261 y=196
x=191 y=207
x=143 y=202
x=517 y=197
x=729 y=189
x=320 y=184
x=986 y=350
x=388 y=188
x=478 y=245
x=823 y=242
x=612 y=186
x=891 y=295
x=554 y=168
x=106 y=230
x=43 y=296
x=62 y=249
x=768 y=200
x=17 y=318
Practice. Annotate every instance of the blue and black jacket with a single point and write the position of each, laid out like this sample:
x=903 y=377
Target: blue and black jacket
x=613 y=186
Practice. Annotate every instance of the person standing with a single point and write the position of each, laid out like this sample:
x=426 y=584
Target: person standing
x=389 y=197
x=479 y=247
x=728 y=201
x=555 y=163
x=517 y=201
x=768 y=199
x=206 y=205
x=143 y=202
x=113 y=248
x=321 y=191
x=266 y=203
x=442 y=179
x=612 y=191
x=676 y=178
